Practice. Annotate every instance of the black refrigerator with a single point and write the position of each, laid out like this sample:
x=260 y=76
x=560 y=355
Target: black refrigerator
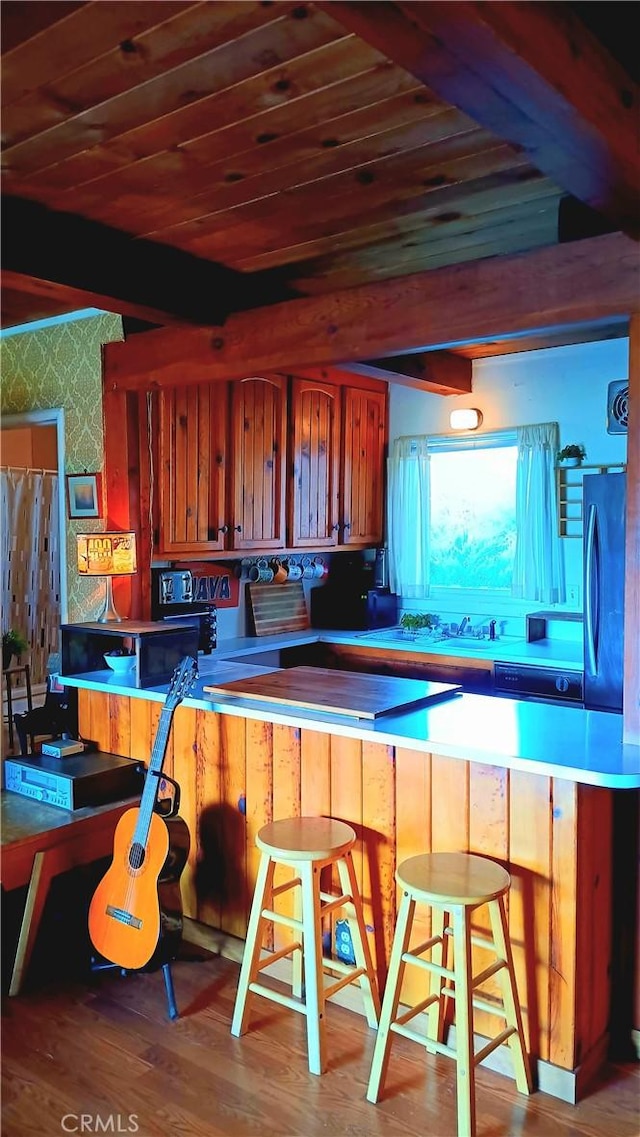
x=604 y=532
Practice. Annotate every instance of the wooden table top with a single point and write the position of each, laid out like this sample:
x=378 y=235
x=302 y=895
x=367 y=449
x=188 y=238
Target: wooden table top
x=23 y=818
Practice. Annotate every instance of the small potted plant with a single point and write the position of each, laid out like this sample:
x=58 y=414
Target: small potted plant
x=13 y=643
x=413 y=622
x=571 y=455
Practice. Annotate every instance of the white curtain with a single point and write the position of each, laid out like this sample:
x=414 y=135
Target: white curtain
x=408 y=517
x=31 y=562
x=538 y=570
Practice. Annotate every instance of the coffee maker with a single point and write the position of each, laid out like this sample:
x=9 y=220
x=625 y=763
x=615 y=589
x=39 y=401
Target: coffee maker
x=350 y=599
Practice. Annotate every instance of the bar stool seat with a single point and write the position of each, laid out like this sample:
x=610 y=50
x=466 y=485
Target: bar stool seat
x=307 y=845
x=455 y=885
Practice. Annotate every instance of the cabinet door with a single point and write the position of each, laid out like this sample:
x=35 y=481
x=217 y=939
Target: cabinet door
x=314 y=492
x=364 y=440
x=194 y=423
x=259 y=430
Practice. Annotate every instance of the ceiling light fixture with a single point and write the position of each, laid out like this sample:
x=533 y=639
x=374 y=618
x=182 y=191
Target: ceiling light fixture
x=467 y=418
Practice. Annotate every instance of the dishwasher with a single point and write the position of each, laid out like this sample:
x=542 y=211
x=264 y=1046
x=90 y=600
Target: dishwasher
x=539 y=684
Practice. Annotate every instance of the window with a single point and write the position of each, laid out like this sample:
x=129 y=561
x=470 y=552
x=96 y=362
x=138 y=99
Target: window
x=475 y=514
x=472 y=533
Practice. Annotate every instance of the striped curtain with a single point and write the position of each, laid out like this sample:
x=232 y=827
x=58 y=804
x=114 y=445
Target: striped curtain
x=31 y=562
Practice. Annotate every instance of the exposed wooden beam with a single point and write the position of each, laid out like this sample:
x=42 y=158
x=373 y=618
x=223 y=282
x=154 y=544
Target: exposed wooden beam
x=534 y=75
x=64 y=256
x=64 y=298
x=614 y=329
x=595 y=279
x=439 y=372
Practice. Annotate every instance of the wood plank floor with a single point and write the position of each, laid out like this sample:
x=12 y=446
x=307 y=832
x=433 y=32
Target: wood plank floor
x=106 y=1048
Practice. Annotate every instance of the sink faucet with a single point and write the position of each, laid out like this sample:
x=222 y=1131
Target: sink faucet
x=492 y=629
x=462 y=625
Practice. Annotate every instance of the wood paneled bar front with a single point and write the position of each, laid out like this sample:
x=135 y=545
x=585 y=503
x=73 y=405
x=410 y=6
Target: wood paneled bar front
x=239 y=768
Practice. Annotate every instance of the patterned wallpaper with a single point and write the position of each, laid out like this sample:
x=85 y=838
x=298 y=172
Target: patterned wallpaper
x=61 y=366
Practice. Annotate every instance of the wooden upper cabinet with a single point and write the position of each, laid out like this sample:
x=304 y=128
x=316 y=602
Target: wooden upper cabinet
x=314 y=500
x=364 y=435
x=193 y=458
x=259 y=434
x=224 y=483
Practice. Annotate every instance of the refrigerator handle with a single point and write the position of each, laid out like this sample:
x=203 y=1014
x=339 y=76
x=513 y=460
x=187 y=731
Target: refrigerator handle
x=589 y=603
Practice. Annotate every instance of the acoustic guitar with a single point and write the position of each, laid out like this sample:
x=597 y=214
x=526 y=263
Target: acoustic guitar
x=135 y=915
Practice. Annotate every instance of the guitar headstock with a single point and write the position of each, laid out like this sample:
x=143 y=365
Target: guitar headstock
x=184 y=676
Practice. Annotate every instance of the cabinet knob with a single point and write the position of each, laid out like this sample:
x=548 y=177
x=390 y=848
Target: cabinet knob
x=347 y=525
x=336 y=527
x=223 y=529
x=237 y=528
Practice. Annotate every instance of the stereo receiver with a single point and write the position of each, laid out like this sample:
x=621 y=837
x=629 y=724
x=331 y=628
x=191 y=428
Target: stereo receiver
x=82 y=779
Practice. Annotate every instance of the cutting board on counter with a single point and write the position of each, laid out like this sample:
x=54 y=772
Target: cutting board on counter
x=338 y=692
x=278 y=608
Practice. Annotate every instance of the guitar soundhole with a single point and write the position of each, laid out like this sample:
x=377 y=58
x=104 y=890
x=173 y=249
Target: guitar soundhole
x=136 y=855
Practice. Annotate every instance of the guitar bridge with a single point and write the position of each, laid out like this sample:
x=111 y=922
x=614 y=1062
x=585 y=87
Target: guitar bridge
x=124 y=917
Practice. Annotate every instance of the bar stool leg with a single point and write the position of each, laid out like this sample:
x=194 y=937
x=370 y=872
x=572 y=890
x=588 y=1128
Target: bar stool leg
x=391 y=998
x=361 y=949
x=511 y=1005
x=313 y=973
x=465 y=1065
x=298 y=980
x=251 y=957
x=439 y=956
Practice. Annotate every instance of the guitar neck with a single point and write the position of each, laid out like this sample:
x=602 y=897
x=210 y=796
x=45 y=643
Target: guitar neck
x=150 y=790
x=183 y=677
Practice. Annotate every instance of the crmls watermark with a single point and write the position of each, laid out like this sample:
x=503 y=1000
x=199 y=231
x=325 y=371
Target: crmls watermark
x=95 y=1123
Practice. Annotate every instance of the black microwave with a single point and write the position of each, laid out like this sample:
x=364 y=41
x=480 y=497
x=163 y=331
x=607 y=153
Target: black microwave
x=353 y=610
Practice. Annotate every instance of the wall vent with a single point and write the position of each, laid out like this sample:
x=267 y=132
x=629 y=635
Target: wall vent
x=618 y=407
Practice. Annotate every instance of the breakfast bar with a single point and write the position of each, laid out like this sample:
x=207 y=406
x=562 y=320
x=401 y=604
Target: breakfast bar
x=532 y=786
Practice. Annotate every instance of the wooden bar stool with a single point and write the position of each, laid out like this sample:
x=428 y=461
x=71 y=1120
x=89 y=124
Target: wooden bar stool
x=307 y=845
x=455 y=885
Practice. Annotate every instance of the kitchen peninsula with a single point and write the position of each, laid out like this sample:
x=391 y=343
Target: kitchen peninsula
x=530 y=785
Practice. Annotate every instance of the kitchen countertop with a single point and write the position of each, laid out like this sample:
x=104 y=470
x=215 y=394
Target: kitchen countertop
x=557 y=741
x=563 y=654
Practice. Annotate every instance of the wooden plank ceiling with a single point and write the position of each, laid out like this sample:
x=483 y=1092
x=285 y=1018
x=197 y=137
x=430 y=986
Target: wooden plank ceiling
x=182 y=162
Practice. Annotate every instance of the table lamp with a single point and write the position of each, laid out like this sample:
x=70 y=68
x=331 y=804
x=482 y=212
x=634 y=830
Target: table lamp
x=108 y=555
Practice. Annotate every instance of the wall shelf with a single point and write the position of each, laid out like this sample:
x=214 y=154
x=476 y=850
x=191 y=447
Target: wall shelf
x=569 y=494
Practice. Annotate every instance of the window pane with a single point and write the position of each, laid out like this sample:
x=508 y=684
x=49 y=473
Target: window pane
x=473 y=524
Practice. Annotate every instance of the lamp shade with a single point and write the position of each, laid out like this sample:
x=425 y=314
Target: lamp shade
x=465 y=418
x=106 y=554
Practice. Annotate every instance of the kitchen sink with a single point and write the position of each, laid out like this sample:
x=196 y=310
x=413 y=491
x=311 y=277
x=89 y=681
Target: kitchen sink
x=447 y=645
x=399 y=635
x=462 y=646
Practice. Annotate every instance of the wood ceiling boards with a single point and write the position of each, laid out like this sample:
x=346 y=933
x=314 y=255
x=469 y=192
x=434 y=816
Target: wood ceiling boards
x=184 y=162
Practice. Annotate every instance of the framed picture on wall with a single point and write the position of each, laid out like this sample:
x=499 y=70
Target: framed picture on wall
x=84 y=494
